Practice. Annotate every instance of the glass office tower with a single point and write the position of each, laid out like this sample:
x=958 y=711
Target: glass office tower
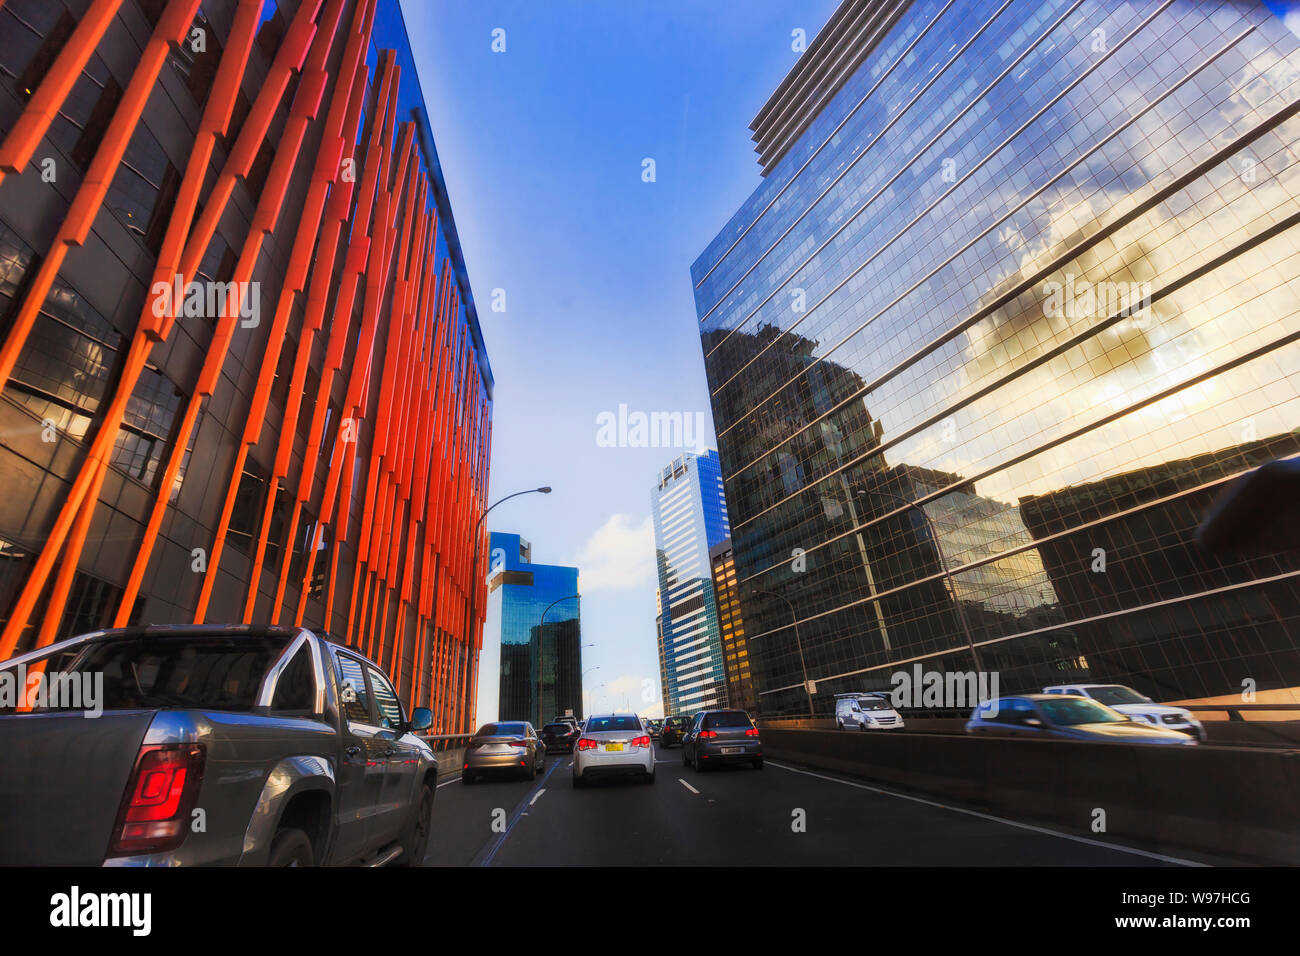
x=519 y=593
x=731 y=627
x=1013 y=302
x=690 y=517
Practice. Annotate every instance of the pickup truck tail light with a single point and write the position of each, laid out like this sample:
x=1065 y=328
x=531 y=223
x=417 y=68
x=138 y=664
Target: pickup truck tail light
x=155 y=811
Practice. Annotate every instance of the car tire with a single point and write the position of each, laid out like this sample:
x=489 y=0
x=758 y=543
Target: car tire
x=466 y=777
x=685 y=761
x=415 y=841
x=758 y=763
x=862 y=727
x=578 y=782
x=291 y=847
x=839 y=725
x=699 y=765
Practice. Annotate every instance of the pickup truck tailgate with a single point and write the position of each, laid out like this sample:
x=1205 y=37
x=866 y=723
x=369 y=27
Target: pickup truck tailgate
x=62 y=777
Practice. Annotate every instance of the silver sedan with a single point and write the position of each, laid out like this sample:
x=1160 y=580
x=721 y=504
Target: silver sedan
x=507 y=746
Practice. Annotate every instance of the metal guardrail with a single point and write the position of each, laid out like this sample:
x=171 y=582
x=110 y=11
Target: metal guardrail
x=444 y=742
x=1234 y=710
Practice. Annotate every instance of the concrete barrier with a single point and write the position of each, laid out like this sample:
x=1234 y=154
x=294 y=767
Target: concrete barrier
x=1238 y=803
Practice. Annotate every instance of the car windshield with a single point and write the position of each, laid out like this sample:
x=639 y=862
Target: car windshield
x=1067 y=712
x=874 y=703
x=726 y=719
x=597 y=724
x=676 y=722
x=220 y=672
x=513 y=729
x=1117 y=694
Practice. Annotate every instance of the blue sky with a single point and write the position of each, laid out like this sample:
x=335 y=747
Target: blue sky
x=542 y=148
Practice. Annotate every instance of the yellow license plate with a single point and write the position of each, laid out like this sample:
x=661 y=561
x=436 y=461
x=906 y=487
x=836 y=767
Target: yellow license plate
x=609 y=747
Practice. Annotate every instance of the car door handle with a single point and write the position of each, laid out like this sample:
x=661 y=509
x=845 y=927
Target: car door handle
x=352 y=752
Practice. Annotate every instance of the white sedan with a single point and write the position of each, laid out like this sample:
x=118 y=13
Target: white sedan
x=611 y=745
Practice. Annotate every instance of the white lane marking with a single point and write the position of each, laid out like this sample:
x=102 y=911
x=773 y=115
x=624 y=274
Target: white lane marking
x=687 y=786
x=989 y=816
x=448 y=783
x=536 y=796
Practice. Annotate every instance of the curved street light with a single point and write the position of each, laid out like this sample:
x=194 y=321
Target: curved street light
x=541 y=643
x=474 y=579
x=794 y=619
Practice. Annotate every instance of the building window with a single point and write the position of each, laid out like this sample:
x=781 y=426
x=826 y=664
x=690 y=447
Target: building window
x=144 y=188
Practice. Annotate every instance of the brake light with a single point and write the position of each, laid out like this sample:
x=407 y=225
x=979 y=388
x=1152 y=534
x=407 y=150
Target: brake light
x=707 y=733
x=586 y=743
x=641 y=742
x=155 y=811
x=752 y=732
x=517 y=743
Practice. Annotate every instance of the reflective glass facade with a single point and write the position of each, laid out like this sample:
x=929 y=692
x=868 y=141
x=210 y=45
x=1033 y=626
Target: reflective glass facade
x=520 y=592
x=690 y=517
x=731 y=628
x=993 y=332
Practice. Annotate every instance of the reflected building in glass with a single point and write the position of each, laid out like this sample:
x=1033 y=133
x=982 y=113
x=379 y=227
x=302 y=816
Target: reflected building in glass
x=519 y=593
x=690 y=517
x=1013 y=302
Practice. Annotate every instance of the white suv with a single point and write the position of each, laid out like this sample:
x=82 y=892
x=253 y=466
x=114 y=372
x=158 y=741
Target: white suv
x=613 y=744
x=1136 y=706
x=865 y=712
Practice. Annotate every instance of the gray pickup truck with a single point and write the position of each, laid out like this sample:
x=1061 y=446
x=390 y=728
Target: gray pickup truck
x=239 y=745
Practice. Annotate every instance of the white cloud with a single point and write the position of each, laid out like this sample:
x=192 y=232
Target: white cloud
x=619 y=556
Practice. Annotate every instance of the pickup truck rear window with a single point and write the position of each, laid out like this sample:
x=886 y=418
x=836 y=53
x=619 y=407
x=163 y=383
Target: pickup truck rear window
x=222 y=673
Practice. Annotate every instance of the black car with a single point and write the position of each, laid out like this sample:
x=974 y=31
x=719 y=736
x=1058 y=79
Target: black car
x=722 y=736
x=560 y=737
x=673 y=730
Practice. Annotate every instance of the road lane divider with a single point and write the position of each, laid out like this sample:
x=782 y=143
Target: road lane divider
x=1046 y=831
x=489 y=852
x=537 y=796
x=688 y=786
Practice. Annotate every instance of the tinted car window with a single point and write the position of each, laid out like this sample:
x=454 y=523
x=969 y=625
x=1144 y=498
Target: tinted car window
x=598 y=724
x=355 y=699
x=1068 y=711
x=510 y=729
x=1110 y=696
x=390 y=709
x=556 y=729
x=295 y=690
x=224 y=673
x=726 y=718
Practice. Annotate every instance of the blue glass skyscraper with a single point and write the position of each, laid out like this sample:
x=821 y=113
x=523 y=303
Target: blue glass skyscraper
x=690 y=517
x=519 y=593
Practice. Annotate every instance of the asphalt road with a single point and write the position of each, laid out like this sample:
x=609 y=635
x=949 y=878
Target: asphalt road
x=734 y=816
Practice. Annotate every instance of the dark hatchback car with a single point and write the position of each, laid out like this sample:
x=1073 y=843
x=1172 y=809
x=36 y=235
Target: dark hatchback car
x=1065 y=717
x=673 y=730
x=560 y=738
x=722 y=736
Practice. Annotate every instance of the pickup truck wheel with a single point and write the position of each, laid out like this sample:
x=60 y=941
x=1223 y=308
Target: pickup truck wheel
x=291 y=847
x=415 y=843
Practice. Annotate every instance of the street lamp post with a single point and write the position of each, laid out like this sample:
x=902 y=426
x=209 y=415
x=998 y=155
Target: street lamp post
x=794 y=619
x=943 y=561
x=474 y=579
x=541 y=642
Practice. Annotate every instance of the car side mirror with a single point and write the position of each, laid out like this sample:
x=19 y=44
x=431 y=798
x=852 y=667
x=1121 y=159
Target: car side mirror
x=421 y=718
